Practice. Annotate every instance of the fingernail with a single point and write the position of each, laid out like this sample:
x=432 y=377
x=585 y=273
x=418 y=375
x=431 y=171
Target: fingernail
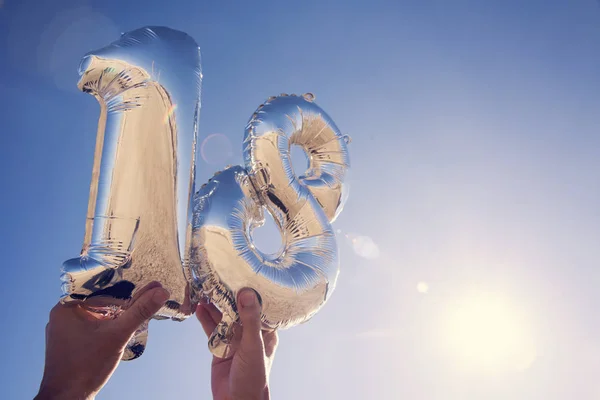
x=152 y=285
x=160 y=296
x=247 y=298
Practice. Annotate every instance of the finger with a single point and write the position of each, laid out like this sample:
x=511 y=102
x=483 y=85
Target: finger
x=212 y=310
x=47 y=333
x=248 y=370
x=206 y=319
x=216 y=315
x=59 y=310
x=271 y=339
x=65 y=310
x=144 y=289
x=142 y=309
x=249 y=310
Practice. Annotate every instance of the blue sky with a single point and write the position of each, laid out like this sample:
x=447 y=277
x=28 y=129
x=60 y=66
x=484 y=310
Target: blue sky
x=475 y=158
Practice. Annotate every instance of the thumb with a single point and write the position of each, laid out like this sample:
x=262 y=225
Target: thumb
x=249 y=310
x=142 y=309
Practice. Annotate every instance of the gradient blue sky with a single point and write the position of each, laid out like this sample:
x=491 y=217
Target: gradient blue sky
x=475 y=156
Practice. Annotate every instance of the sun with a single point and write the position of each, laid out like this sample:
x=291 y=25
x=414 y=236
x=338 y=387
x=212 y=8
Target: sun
x=486 y=332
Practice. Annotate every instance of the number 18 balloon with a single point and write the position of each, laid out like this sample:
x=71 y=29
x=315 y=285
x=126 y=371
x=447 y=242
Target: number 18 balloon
x=143 y=225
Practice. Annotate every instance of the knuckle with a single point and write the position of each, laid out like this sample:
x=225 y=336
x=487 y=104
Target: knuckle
x=56 y=313
x=55 y=310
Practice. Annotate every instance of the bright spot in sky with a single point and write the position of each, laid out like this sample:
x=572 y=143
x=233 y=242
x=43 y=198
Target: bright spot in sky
x=487 y=333
x=66 y=38
x=216 y=149
x=422 y=287
x=363 y=246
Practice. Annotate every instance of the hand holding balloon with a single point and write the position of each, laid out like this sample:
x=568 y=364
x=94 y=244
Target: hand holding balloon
x=83 y=350
x=244 y=374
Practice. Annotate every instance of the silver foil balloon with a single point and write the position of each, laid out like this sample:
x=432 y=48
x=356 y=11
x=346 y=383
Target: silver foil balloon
x=294 y=283
x=138 y=225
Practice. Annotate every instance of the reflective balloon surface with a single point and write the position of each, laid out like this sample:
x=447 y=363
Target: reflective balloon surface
x=295 y=282
x=286 y=121
x=138 y=225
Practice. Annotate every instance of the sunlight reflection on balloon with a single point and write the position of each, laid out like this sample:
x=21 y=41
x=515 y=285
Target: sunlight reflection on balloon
x=170 y=113
x=422 y=287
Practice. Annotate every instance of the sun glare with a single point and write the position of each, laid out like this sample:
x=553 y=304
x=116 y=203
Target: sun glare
x=487 y=333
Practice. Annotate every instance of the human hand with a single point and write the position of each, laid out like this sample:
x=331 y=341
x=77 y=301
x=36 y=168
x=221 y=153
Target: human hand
x=244 y=375
x=83 y=350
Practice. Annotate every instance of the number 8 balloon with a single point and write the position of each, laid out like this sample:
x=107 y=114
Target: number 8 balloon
x=294 y=283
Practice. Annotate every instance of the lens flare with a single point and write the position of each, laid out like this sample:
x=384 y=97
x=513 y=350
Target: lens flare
x=363 y=246
x=170 y=114
x=422 y=287
x=216 y=149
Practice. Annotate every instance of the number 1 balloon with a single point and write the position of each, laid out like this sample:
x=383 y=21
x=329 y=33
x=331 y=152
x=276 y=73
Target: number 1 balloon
x=143 y=226
x=138 y=220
